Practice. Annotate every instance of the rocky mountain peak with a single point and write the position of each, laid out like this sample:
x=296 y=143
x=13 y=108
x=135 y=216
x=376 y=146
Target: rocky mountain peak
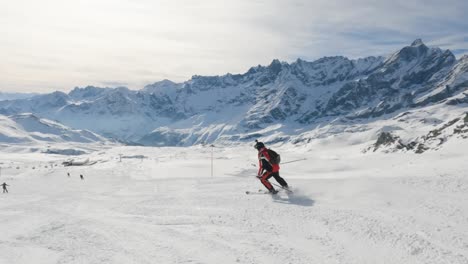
x=275 y=66
x=417 y=42
x=464 y=58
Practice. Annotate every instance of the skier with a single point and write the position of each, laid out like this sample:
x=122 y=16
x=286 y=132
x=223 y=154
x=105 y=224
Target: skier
x=5 y=187
x=68 y=174
x=81 y=176
x=267 y=169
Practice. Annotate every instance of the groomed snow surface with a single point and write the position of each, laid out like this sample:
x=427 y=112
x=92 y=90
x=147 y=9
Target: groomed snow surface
x=161 y=205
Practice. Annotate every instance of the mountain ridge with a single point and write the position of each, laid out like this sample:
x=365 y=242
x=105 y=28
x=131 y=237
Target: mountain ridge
x=233 y=106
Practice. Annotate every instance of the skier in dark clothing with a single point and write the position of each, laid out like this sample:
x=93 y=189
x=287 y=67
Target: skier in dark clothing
x=5 y=187
x=81 y=176
x=268 y=169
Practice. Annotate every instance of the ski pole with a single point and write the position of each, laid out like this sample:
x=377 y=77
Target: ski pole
x=293 y=161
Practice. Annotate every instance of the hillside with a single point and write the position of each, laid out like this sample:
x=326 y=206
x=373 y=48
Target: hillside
x=28 y=128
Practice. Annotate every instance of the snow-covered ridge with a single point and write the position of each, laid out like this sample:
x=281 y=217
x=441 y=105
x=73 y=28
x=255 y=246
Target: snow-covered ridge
x=285 y=99
x=456 y=128
x=28 y=128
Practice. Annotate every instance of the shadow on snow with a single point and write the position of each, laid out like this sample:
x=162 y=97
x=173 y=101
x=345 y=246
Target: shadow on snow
x=295 y=199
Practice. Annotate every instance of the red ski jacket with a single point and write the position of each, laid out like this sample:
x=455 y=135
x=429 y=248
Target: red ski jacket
x=264 y=162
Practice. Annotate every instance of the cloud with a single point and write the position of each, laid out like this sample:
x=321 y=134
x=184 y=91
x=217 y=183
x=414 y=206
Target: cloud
x=53 y=44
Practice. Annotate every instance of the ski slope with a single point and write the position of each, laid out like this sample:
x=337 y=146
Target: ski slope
x=161 y=205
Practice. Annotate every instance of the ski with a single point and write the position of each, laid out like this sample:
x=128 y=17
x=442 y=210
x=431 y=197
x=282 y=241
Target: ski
x=257 y=192
x=282 y=188
x=267 y=192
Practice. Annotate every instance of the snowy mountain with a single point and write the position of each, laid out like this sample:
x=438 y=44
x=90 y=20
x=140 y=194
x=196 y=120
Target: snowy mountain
x=403 y=80
x=280 y=102
x=434 y=139
x=28 y=128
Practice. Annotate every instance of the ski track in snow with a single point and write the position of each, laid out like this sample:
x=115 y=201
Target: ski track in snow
x=167 y=209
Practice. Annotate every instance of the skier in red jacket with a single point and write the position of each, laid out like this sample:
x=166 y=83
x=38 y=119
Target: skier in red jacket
x=267 y=169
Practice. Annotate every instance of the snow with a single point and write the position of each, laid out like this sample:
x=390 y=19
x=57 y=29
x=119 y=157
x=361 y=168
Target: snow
x=25 y=128
x=347 y=207
x=167 y=205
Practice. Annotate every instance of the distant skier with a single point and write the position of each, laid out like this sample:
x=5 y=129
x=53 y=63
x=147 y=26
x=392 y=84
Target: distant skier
x=68 y=174
x=5 y=190
x=81 y=176
x=268 y=168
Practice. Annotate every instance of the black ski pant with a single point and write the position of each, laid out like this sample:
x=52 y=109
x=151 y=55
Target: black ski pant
x=267 y=175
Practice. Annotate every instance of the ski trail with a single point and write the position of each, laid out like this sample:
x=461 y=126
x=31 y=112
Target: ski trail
x=124 y=216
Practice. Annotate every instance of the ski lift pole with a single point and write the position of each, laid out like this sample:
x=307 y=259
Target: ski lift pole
x=212 y=146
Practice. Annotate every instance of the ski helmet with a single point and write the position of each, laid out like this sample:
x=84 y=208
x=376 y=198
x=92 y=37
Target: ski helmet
x=259 y=145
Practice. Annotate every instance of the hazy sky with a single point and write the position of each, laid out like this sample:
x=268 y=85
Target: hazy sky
x=52 y=45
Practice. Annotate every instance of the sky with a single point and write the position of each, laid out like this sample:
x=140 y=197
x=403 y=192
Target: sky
x=53 y=45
